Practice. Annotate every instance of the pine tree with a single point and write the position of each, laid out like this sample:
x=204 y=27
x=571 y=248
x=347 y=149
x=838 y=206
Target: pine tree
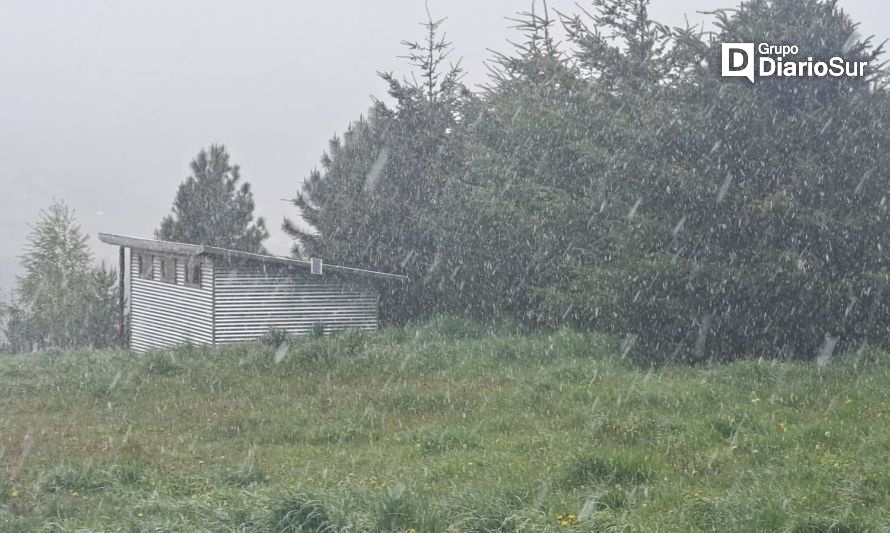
x=378 y=199
x=62 y=300
x=516 y=210
x=335 y=202
x=211 y=208
x=756 y=235
x=624 y=186
x=549 y=155
x=629 y=189
x=785 y=218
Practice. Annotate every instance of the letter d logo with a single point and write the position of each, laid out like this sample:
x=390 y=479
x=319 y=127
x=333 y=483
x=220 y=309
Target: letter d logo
x=738 y=60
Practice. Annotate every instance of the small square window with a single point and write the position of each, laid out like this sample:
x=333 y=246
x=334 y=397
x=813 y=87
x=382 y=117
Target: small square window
x=193 y=274
x=146 y=265
x=168 y=269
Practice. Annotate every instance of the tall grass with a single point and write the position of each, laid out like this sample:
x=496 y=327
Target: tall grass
x=445 y=426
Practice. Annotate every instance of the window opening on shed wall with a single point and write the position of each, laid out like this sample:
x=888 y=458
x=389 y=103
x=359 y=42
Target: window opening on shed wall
x=146 y=265
x=168 y=269
x=194 y=274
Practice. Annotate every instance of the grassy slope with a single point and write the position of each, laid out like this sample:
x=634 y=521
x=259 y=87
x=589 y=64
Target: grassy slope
x=429 y=430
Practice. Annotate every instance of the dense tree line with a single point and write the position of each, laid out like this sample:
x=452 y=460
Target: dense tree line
x=612 y=182
x=617 y=182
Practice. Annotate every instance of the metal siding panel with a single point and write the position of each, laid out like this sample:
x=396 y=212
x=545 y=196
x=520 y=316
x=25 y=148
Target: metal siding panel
x=163 y=315
x=248 y=301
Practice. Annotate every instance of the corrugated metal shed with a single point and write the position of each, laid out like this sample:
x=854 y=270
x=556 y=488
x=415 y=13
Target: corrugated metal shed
x=250 y=300
x=205 y=295
x=165 y=314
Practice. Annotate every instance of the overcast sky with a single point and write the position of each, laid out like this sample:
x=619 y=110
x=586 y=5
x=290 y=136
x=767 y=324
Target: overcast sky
x=104 y=103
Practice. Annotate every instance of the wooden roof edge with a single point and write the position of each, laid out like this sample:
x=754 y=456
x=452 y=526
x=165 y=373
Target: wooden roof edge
x=152 y=244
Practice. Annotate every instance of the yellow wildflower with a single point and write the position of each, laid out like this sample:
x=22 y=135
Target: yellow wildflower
x=567 y=520
x=14 y=494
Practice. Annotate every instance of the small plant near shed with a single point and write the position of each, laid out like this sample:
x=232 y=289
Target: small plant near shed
x=161 y=363
x=275 y=337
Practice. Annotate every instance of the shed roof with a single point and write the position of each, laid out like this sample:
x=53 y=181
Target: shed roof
x=181 y=248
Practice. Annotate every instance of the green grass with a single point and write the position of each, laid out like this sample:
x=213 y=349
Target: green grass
x=441 y=427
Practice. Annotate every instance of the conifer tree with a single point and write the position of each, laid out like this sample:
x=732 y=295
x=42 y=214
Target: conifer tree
x=623 y=186
x=62 y=301
x=753 y=235
x=378 y=198
x=213 y=209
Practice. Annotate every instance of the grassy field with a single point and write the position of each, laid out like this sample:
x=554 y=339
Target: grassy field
x=444 y=427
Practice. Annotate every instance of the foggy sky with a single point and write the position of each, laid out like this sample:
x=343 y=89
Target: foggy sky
x=105 y=103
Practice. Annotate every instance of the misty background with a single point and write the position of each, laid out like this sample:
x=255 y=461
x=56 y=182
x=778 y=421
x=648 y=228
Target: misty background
x=104 y=104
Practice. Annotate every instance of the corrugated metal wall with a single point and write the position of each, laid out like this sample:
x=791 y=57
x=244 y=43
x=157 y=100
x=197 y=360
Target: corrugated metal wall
x=162 y=314
x=249 y=300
